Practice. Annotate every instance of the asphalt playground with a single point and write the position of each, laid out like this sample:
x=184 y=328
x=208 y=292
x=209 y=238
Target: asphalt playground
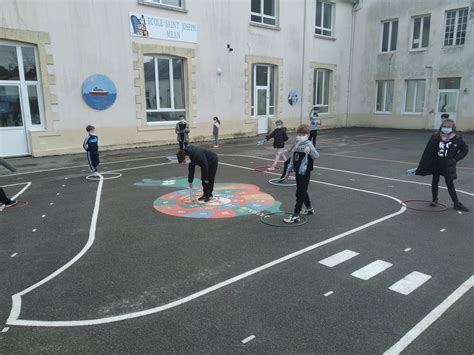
x=128 y=264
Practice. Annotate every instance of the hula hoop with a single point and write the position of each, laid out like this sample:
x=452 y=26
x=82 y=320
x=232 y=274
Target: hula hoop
x=97 y=178
x=432 y=209
x=263 y=218
x=276 y=181
x=20 y=204
x=262 y=169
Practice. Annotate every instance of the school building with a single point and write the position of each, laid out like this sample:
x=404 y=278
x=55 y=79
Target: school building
x=132 y=67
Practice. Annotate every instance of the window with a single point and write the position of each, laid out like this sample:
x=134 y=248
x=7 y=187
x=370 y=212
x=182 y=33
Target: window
x=414 y=96
x=421 y=32
x=263 y=11
x=164 y=88
x=389 y=35
x=172 y=3
x=263 y=90
x=324 y=18
x=321 y=90
x=455 y=31
x=384 y=96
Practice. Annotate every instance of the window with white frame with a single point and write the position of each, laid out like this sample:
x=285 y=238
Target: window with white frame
x=389 y=35
x=172 y=3
x=164 y=88
x=455 y=30
x=384 y=100
x=421 y=32
x=263 y=11
x=324 y=18
x=321 y=90
x=263 y=90
x=414 y=96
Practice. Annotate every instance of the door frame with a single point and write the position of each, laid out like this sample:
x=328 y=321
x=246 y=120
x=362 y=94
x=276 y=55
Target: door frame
x=452 y=115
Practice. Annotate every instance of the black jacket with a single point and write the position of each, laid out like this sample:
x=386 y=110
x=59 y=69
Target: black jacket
x=203 y=158
x=280 y=137
x=457 y=150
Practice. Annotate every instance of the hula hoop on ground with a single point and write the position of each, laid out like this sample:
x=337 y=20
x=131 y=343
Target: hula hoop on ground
x=20 y=204
x=287 y=182
x=262 y=169
x=97 y=178
x=442 y=208
x=265 y=220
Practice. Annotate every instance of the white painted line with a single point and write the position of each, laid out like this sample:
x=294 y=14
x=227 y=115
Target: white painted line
x=35 y=171
x=43 y=216
x=459 y=212
x=352 y=179
x=407 y=249
x=4 y=330
x=338 y=258
x=328 y=293
x=371 y=270
x=246 y=340
x=442 y=230
x=51 y=203
x=34 y=230
x=13 y=255
x=28 y=184
x=16 y=298
x=410 y=283
x=57 y=194
x=430 y=318
x=390 y=185
x=63 y=185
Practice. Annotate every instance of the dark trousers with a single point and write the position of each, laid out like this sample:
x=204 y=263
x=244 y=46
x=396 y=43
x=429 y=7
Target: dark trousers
x=312 y=136
x=449 y=183
x=302 y=183
x=3 y=197
x=285 y=168
x=93 y=160
x=209 y=187
x=182 y=145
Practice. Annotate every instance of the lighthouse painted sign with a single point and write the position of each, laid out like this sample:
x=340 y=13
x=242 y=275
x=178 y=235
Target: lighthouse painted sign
x=148 y=26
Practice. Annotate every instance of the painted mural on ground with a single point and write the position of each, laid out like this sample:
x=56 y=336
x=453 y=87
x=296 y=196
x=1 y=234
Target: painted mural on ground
x=230 y=200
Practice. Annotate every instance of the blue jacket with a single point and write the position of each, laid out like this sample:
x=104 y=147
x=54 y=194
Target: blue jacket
x=91 y=143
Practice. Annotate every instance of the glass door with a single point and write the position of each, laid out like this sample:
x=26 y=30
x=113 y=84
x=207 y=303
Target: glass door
x=447 y=99
x=263 y=85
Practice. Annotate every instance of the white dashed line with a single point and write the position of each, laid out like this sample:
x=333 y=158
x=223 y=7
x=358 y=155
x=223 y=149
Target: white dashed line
x=34 y=230
x=352 y=179
x=13 y=255
x=442 y=230
x=338 y=258
x=57 y=194
x=372 y=269
x=43 y=216
x=51 y=203
x=246 y=340
x=328 y=293
x=4 y=330
x=390 y=185
x=410 y=283
x=407 y=249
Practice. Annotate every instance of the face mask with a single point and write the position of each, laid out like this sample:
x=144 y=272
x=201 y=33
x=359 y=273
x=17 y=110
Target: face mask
x=278 y=126
x=446 y=130
x=301 y=139
x=187 y=161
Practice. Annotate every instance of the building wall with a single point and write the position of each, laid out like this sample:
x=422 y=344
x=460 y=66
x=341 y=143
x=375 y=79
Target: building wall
x=437 y=61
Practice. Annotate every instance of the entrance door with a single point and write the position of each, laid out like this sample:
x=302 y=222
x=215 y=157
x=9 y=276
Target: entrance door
x=447 y=99
x=263 y=95
x=13 y=136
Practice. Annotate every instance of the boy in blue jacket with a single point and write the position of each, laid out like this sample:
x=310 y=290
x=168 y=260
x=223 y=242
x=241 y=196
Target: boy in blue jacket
x=91 y=146
x=301 y=161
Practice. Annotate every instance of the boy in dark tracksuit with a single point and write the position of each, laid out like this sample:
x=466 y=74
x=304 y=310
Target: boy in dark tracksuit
x=279 y=136
x=444 y=149
x=303 y=149
x=3 y=197
x=91 y=146
x=208 y=162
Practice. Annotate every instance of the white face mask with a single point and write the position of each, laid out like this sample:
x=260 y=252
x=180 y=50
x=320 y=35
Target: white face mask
x=187 y=161
x=301 y=139
x=278 y=126
x=446 y=130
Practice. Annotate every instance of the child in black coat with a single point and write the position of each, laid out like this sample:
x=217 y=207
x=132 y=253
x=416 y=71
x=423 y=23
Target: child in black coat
x=444 y=149
x=279 y=138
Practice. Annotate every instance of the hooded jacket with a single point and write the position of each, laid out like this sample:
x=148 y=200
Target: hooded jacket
x=201 y=157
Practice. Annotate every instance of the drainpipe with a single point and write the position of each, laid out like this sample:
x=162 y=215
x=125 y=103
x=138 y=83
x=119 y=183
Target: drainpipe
x=349 y=80
x=303 y=64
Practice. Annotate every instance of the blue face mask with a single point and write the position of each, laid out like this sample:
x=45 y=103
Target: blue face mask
x=446 y=130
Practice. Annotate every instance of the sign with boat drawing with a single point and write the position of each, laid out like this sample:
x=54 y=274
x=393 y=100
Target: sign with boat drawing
x=99 y=91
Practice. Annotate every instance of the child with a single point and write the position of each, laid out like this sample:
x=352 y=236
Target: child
x=208 y=162
x=314 y=121
x=303 y=149
x=444 y=149
x=279 y=138
x=215 y=131
x=182 y=132
x=4 y=200
x=91 y=146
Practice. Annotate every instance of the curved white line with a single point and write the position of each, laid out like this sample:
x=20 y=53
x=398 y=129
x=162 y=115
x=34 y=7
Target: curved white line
x=28 y=184
x=16 y=299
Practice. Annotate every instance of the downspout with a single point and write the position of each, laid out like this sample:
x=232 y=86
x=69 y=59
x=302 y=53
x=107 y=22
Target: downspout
x=351 y=55
x=303 y=64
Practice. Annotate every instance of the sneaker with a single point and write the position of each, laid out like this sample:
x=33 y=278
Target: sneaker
x=292 y=219
x=434 y=203
x=207 y=198
x=460 y=207
x=272 y=168
x=308 y=211
x=95 y=173
x=215 y=146
x=12 y=203
x=202 y=198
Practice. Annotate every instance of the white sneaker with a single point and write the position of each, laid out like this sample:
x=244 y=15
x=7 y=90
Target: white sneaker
x=292 y=219
x=95 y=173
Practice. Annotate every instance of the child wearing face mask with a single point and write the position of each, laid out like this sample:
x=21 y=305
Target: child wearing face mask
x=444 y=149
x=279 y=136
x=215 y=131
x=301 y=161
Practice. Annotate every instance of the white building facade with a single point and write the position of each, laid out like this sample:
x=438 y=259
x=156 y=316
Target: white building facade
x=249 y=62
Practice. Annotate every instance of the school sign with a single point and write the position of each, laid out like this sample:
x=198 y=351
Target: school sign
x=147 y=26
